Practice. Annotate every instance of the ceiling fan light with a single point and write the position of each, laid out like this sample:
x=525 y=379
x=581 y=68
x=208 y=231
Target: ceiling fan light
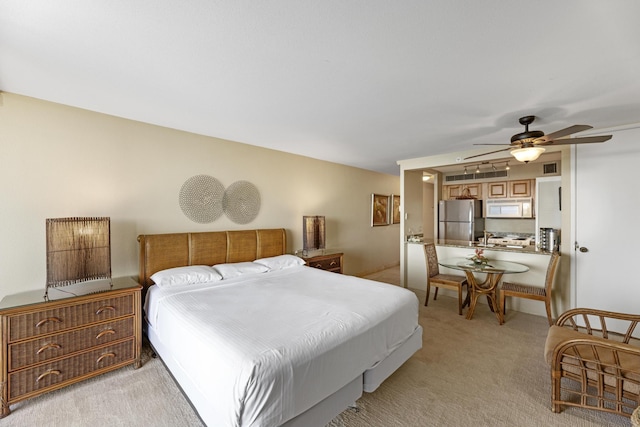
x=527 y=154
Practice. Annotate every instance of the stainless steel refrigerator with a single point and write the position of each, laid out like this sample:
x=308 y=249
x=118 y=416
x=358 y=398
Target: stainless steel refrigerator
x=460 y=219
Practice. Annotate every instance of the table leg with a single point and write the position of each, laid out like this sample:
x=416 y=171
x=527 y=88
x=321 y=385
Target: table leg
x=487 y=288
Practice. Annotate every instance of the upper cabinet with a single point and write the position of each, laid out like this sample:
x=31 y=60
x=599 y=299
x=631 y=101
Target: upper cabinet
x=454 y=191
x=497 y=190
x=492 y=190
x=510 y=189
x=521 y=188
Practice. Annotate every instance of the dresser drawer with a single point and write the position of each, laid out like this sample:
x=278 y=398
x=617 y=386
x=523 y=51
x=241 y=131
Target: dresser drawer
x=40 y=350
x=35 y=323
x=326 y=262
x=47 y=375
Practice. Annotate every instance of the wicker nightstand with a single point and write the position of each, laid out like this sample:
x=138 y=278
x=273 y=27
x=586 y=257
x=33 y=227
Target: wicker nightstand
x=47 y=345
x=329 y=262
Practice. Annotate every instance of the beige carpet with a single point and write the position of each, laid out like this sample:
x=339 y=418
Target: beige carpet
x=128 y=397
x=469 y=373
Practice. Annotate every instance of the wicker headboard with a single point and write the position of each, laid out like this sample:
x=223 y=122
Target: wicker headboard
x=162 y=251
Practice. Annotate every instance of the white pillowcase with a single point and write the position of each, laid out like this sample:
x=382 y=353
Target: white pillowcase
x=185 y=276
x=235 y=269
x=280 y=262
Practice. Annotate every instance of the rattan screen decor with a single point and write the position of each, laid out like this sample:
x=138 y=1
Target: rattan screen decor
x=201 y=198
x=78 y=250
x=241 y=202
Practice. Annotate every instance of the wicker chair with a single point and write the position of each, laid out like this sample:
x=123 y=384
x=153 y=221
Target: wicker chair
x=537 y=293
x=591 y=366
x=437 y=280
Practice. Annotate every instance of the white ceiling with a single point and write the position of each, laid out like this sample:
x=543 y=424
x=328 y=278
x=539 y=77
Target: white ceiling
x=362 y=83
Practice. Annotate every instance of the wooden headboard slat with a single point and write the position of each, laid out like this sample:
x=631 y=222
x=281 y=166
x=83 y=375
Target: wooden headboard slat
x=162 y=251
x=208 y=248
x=242 y=245
x=270 y=243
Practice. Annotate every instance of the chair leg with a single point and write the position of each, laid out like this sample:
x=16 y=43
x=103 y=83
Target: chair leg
x=435 y=294
x=503 y=304
x=460 y=300
x=426 y=300
x=547 y=304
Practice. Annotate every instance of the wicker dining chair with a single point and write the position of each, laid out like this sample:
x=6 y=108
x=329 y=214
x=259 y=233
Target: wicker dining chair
x=434 y=278
x=537 y=293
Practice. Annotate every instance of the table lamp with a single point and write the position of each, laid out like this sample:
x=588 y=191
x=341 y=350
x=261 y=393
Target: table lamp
x=313 y=233
x=78 y=250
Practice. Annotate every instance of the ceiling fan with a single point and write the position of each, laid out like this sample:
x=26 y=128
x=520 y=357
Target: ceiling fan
x=527 y=146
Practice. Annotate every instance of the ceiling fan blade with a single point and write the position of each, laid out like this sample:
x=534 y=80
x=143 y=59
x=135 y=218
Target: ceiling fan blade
x=491 y=144
x=584 y=140
x=490 y=152
x=562 y=132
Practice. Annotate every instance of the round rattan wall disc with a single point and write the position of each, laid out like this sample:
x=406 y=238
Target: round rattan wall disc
x=201 y=198
x=241 y=202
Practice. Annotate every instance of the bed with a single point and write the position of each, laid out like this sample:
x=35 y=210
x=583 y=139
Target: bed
x=270 y=342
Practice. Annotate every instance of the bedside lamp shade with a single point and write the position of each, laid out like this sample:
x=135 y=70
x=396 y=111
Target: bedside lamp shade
x=78 y=250
x=313 y=232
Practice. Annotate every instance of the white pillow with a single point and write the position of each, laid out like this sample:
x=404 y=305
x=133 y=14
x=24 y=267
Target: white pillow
x=235 y=269
x=280 y=262
x=185 y=276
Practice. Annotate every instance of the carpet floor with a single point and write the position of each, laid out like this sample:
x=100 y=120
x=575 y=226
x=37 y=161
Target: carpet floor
x=468 y=373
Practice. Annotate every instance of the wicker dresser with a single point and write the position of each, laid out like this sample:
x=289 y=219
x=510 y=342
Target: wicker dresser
x=82 y=331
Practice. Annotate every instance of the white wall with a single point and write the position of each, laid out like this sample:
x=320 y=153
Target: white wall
x=428 y=210
x=58 y=161
x=412 y=203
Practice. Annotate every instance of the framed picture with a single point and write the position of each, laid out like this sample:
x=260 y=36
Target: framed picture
x=395 y=209
x=379 y=210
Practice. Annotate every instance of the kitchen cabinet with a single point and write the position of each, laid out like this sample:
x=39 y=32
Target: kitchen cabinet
x=510 y=189
x=454 y=191
x=520 y=188
x=497 y=190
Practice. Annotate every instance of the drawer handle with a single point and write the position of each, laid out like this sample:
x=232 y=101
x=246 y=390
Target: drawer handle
x=318 y=265
x=47 y=347
x=105 y=332
x=104 y=356
x=334 y=262
x=47 y=373
x=47 y=320
x=103 y=309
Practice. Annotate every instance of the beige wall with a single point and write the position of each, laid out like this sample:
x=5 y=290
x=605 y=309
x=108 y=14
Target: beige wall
x=58 y=161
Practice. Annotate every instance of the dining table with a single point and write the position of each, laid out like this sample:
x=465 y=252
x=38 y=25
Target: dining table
x=494 y=270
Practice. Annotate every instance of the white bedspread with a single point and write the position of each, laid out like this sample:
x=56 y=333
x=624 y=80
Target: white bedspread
x=268 y=346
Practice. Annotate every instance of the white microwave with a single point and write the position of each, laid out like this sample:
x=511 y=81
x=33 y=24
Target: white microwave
x=509 y=208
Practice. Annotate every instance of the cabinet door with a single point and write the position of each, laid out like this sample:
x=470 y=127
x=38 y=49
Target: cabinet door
x=450 y=192
x=475 y=190
x=520 y=188
x=497 y=190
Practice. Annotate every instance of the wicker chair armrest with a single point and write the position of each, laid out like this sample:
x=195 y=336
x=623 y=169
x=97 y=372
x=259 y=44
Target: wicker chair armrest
x=583 y=319
x=597 y=349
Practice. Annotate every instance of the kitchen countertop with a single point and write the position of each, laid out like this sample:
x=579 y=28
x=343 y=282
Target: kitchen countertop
x=532 y=249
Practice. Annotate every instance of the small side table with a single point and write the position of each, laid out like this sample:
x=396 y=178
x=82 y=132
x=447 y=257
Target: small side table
x=329 y=262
